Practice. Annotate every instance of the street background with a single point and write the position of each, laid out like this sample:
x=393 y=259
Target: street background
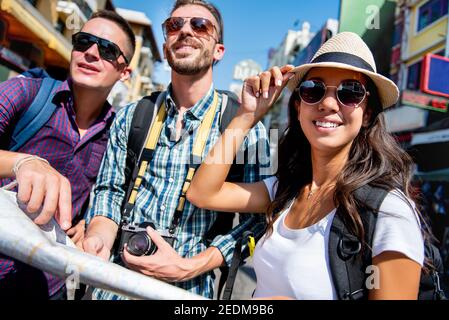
x=409 y=40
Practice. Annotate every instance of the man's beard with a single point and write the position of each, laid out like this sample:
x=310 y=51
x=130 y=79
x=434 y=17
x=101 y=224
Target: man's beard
x=201 y=63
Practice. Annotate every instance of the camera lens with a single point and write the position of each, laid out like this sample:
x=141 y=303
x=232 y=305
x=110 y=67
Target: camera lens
x=140 y=244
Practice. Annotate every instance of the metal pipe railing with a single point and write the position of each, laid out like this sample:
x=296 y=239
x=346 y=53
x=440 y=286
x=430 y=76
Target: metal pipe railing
x=50 y=250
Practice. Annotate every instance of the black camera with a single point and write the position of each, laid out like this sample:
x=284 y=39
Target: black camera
x=138 y=241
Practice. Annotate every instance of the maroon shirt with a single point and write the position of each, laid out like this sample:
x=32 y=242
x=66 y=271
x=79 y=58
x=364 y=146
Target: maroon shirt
x=58 y=141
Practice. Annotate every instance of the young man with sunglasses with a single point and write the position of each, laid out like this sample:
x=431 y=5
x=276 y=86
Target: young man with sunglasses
x=56 y=168
x=194 y=42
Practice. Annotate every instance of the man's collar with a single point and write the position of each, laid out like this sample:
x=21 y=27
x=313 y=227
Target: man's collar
x=63 y=93
x=198 y=111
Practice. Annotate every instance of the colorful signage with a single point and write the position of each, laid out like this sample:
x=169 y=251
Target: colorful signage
x=424 y=101
x=435 y=75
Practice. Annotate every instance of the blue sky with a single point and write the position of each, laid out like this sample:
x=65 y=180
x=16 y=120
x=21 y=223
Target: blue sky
x=251 y=27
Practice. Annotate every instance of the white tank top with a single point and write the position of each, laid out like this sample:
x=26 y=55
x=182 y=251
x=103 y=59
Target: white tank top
x=295 y=262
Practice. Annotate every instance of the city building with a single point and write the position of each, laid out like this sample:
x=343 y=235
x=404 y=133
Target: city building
x=293 y=43
x=300 y=54
x=374 y=23
x=421 y=28
x=36 y=33
x=420 y=44
x=242 y=70
x=142 y=63
x=420 y=121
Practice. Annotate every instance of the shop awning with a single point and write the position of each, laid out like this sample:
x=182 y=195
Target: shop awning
x=430 y=148
x=405 y=118
x=26 y=23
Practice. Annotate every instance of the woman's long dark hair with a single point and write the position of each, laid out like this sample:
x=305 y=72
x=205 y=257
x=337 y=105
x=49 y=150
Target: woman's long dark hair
x=375 y=158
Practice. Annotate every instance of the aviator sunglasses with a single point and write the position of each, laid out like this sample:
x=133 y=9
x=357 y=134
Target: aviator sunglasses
x=200 y=26
x=108 y=50
x=349 y=93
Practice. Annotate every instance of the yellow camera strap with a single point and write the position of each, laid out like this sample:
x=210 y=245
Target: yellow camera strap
x=195 y=159
x=150 y=145
x=197 y=153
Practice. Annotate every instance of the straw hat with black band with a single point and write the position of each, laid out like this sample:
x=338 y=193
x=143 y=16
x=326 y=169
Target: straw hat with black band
x=347 y=50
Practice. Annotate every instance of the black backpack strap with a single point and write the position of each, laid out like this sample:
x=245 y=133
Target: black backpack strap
x=347 y=261
x=348 y=267
x=223 y=222
x=232 y=273
x=430 y=285
x=229 y=107
x=143 y=116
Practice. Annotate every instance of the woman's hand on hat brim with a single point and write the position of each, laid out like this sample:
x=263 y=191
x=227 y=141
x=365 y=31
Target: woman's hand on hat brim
x=260 y=92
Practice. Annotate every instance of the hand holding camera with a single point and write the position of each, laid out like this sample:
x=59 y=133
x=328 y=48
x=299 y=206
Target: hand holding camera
x=164 y=263
x=137 y=240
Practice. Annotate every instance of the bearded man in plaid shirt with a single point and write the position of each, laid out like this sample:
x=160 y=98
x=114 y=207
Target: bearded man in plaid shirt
x=194 y=42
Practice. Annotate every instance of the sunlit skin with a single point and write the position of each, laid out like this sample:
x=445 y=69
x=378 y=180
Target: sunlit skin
x=398 y=275
x=191 y=58
x=92 y=78
x=349 y=119
x=188 y=53
x=89 y=70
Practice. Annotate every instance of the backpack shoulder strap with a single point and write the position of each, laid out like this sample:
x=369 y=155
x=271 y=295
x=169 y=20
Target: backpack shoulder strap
x=142 y=118
x=347 y=261
x=37 y=114
x=230 y=105
x=224 y=222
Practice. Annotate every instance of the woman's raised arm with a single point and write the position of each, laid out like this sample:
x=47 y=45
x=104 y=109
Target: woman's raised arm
x=208 y=188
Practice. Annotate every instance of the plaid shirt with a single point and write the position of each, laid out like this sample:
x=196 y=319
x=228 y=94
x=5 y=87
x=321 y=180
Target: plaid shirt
x=59 y=142
x=158 y=195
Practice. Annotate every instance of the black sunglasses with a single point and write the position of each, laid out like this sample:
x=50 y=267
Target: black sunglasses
x=349 y=93
x=200 y=26
x=108 y=50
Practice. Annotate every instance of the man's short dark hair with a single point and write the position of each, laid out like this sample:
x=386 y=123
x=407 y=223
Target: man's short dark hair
x=210 y=7
x=122 y=23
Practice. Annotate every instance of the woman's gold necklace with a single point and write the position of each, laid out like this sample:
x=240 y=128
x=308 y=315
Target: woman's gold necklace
x=312 y=192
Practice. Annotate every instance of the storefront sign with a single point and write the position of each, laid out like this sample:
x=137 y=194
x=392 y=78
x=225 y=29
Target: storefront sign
x=435 y=70
x=431 y=137
x=405 y=118
x=425 y=101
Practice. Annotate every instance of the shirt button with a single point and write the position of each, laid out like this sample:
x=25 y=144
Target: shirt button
x=171 y=180
x=162 y=207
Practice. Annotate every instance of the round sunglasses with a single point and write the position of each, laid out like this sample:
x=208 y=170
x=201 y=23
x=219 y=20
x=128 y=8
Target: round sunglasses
x=349 y=93
x=108 y=50
x=200 y=26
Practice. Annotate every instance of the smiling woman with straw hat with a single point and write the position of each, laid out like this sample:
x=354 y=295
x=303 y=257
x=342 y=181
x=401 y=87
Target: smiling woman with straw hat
x=335 y=144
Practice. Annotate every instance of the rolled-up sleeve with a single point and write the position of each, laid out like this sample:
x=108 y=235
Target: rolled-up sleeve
x=110 y=188
x=257 y=167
